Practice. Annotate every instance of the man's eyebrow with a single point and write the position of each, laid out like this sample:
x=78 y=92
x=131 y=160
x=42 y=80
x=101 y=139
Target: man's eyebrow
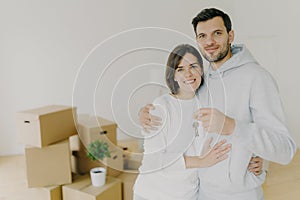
x=218 y=30
x=201 y=33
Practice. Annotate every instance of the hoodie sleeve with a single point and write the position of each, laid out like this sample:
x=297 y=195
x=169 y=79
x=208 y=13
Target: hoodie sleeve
x=156 y=145
x=267 y=136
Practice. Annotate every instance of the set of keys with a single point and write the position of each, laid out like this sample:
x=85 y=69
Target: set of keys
x=195 y=126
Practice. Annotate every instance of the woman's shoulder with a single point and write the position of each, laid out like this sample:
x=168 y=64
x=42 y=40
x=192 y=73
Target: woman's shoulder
x=162 y=105
x=163 y=99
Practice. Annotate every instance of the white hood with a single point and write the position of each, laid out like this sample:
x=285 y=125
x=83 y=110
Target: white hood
x=240 y=57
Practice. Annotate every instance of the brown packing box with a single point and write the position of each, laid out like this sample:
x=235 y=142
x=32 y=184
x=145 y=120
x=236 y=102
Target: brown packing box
x=18 y=191
x=74 y=165
x=46 y=125
x=75 y=143
x=128 y=179
x=114 y=164
x=49 y=165
x=133 y=154
x=81 y=189
x=131 y=145
x=132 y=161
x=91 y=128
x=45 y=193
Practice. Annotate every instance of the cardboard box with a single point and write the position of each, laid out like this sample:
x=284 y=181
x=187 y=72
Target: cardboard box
x=128 y=179
x=46 y=125
x=81 y=189
x=133 y=153
x=132 y=161
x=91 y=128
x=74 y=164
x=75 y=143
x=49 y=165
x=45 y=193
x=114 y=165
x=132 y=145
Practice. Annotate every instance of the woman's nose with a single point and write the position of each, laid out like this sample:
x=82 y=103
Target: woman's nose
x=188 y=73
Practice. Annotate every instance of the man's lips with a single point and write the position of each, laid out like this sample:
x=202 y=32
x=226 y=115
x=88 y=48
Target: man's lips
x=211 y=49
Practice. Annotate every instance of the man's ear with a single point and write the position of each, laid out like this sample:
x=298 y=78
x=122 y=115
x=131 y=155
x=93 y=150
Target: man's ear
x=231 y=36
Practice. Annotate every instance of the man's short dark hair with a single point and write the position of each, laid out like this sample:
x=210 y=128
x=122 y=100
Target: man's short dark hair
x=210 y=13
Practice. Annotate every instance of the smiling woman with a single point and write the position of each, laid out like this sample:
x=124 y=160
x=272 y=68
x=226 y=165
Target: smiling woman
x=184 y=71
x=173 y=154
x=188 y=76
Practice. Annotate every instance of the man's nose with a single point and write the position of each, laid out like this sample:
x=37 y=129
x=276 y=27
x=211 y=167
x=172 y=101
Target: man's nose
x=210 y=40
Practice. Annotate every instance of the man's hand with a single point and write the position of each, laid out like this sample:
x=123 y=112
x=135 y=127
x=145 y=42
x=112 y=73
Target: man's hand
x=214 y=121
x=148 y=121
x=255 y=165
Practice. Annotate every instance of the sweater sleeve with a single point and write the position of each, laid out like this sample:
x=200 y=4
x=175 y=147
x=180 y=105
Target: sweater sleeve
x=157 y=154
x=267 y=135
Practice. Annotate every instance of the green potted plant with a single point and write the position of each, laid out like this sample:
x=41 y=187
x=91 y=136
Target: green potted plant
x=98 y=150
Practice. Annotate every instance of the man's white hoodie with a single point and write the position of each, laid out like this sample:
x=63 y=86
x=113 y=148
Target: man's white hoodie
x=246 y=92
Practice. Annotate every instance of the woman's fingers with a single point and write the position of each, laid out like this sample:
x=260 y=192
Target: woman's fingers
x=220 y=150
x=219 y=144
x=225 y=149
x=221 y=158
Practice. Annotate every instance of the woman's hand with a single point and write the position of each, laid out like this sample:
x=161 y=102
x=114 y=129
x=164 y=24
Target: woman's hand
x=211 y=156
x=215 y=154
x=148 y=121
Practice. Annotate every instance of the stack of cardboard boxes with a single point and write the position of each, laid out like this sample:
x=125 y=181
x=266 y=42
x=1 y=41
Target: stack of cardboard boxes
x=45 y=131
x=56 y=139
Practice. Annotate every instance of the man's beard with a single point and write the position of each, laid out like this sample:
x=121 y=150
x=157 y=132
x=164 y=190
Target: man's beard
x=220 y=56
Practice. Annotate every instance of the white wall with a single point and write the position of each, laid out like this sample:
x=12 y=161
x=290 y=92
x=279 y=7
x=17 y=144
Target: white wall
x=44 y=44
x=270 y=30
x=87 y=53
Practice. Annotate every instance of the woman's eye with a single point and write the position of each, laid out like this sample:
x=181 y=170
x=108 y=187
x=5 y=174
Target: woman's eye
x=179 y=69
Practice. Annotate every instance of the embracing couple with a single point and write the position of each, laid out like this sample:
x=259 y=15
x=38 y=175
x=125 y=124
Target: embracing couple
x=206 y=139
